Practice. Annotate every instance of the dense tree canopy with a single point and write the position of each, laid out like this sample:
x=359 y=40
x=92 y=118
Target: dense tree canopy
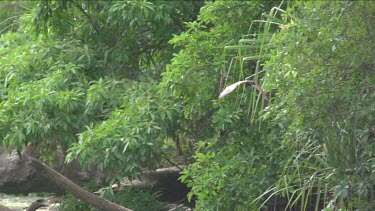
x=132 y=85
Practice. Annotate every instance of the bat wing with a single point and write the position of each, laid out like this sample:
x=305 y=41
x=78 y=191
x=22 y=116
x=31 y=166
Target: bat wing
x=231 y=88
x=234 y=86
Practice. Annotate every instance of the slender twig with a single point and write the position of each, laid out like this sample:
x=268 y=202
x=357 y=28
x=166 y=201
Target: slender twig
x=96 y=27
x=171 y=162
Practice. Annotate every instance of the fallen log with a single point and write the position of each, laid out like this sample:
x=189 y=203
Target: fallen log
x=68 y=185
x=17 y=177
x=20 y=176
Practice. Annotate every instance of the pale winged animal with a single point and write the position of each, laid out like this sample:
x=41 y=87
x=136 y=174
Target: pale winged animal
x=247 y=81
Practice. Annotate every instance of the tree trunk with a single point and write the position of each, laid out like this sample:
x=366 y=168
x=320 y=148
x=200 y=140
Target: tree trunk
x=68 y=185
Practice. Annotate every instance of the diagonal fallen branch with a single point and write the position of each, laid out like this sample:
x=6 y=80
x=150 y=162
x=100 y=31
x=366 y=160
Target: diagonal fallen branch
x=70 y=186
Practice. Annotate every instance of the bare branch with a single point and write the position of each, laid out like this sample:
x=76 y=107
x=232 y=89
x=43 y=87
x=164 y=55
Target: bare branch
x=77 y=191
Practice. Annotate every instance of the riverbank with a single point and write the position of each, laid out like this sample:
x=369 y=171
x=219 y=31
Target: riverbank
x=20 y=202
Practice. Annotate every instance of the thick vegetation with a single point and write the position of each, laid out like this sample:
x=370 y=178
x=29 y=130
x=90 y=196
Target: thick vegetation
x=129 y=85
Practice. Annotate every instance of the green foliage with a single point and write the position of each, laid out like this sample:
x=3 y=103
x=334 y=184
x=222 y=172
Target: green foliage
x=134 y=198
x=229 y=160
x=10 y=12
x=115 y=82
x=71 y=203
x=72 y=81
x=138 y=199
x=316 y=136
x=138 y=137
x=87 y=81
x=131 y=36
x=322 y=73
x=43 y=106
x=196 y=73
x=222 y=177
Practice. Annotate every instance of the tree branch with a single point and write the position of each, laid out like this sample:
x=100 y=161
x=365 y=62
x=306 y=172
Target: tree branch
x=68 y=185
x=88 y=16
